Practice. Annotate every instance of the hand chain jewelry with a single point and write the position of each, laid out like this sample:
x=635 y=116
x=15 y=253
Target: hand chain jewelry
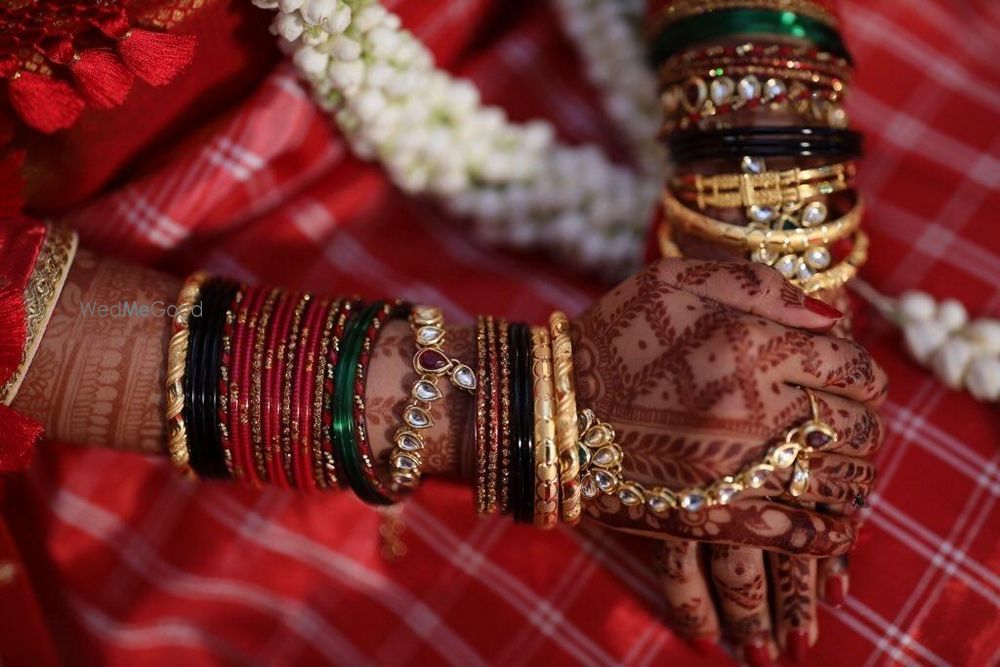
x=601 y=467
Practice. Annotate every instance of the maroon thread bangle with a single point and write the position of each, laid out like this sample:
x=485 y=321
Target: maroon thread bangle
x=395 y=310
x=493 y=446
x=505 y=444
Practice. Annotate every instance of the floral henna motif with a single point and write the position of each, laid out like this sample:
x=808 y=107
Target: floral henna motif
x=737 y=582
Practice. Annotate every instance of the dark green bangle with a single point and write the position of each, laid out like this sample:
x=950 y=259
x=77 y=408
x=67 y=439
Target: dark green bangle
x=710 y=26
x=342 y=407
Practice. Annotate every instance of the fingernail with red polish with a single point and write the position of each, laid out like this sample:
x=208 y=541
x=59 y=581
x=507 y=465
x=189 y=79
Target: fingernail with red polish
x=797 y=645
x=756 y=654
x=835 y=591
x=822 y=308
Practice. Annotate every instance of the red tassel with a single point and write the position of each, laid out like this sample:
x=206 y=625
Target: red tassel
x=101 y=77
x=18 y=435
x=11 y=185
x=15 y=328
x=44 y=103
x=156 y=57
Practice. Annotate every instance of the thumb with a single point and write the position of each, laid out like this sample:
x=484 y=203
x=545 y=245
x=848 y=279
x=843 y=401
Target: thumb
x=751 y=287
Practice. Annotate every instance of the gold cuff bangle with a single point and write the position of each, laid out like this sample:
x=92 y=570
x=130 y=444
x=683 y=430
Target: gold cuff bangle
x=41 y=293
x=765 y=189
x=567 y=430
x=177 y=443
x=546 y=455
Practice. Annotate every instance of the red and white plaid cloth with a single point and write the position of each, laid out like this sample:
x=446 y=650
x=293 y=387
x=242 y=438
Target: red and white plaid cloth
x=150 y=569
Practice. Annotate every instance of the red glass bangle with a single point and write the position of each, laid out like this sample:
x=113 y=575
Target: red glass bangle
x=319 y=410
x=288 y=352
x=258 y=376
x=271 y=397
x=225 y=375
x=305 y=383
x=247 y=325
x=333 y=477
x=389 y=310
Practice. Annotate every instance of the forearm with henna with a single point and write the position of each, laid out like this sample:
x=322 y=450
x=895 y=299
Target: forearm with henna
x=99 y=380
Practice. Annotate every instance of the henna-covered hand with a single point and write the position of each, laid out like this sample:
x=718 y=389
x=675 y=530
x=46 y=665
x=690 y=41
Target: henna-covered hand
x=699 y=366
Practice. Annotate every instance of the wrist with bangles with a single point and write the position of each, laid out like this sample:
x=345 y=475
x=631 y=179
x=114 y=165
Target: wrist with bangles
x=268 y=386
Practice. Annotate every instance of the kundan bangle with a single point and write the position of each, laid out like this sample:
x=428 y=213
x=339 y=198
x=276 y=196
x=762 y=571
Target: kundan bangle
x=177 y=442
x=567 y=434
x=430 y=362
x=546 y=457
x=753 y=237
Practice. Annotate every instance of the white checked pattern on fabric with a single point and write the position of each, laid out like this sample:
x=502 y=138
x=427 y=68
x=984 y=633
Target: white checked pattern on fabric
x=156 y=569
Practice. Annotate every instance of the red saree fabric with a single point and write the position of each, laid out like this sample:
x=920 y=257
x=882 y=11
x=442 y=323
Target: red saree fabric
x=145 y=568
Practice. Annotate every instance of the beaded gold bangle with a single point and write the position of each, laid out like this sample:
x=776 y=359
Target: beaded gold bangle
x=177 y=443
x=482 y=416
x=546 y=455
x=41 y=293
x=503 y=478
x=791 y=264
x=567 y=433
x=430 y=362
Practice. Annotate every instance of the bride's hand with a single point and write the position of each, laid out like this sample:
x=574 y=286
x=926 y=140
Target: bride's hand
x=700 y=368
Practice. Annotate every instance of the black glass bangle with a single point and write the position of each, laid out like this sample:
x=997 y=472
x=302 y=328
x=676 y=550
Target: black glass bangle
x=200 y=378
x=217 y=296
x=528 y=464
x=681 y=35
x=517 y=434
x=693 y=145
x=227 y=291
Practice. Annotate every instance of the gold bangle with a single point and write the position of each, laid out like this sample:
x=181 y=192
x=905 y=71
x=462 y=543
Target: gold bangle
x=546 y=455
x=41 y=293
x=769 y=188
x=177 y=443
x=832 y=278
x=567 y=432
x=752 y=237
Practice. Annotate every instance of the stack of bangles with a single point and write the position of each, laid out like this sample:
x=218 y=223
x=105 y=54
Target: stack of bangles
x=752 y=94
x=267 y=386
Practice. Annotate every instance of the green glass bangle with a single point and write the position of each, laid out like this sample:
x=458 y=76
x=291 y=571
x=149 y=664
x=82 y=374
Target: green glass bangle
x=682 y=35
x=342 y=408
